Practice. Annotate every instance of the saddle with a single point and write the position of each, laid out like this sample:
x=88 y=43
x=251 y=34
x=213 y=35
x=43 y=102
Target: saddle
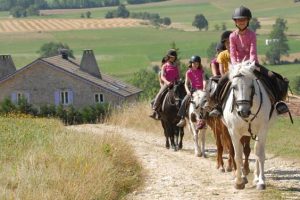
x=212 y=87
x=276 y=86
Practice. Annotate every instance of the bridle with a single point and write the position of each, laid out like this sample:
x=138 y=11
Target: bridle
x=250 y=102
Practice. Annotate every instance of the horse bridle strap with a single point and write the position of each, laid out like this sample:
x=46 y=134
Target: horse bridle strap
x=253 y=136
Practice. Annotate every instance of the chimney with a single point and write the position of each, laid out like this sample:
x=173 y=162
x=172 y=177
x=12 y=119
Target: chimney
x=64 y=53
x=89 y=63
x=7 y=65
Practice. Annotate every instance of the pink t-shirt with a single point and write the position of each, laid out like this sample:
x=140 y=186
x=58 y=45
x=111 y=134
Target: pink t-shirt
x=196 y=78
x=215 y=62
x=171 y=72
x=243 y=47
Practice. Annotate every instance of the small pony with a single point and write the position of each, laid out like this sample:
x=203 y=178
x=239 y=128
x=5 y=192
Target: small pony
x=196 y=121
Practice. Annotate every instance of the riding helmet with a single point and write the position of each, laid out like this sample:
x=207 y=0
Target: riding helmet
x=241 y=12
x=172 y=53
x=195 y=59
x=225 y=35
x=220 y=46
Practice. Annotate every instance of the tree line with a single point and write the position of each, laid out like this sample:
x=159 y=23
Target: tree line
x=7 y=5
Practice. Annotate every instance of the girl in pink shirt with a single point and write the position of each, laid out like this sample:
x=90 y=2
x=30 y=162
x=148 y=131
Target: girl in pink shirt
x=169 y=75
x=194 y=80
x=243 y=47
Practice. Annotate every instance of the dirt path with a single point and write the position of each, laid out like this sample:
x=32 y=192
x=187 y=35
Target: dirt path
x=180 y=175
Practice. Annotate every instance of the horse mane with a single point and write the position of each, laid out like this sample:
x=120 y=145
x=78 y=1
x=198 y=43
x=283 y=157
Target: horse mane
x=245 y=68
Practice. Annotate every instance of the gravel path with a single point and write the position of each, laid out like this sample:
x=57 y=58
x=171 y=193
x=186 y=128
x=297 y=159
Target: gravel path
x=180 y=175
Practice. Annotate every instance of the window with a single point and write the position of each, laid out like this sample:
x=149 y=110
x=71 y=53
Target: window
x=64 y=97
x=17 y=97
x=99 y=98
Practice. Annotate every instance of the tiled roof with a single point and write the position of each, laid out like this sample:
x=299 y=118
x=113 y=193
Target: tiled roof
x=107 y=82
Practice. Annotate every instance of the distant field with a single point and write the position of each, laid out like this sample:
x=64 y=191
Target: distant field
x=34 y=25
x=123 y=51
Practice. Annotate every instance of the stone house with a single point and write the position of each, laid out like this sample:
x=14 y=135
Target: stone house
x=62 y=80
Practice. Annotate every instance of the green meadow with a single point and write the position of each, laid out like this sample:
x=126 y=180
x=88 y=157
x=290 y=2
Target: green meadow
x=123 y=51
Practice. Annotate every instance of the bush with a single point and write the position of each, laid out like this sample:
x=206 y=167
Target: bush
x=67 y=114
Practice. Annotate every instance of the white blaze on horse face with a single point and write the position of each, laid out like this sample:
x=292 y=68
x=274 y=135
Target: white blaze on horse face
x=243 y=93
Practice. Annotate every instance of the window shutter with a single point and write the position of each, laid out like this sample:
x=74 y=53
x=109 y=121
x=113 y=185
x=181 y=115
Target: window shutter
x=70 y=95
x=56 y=98
x=14 y=97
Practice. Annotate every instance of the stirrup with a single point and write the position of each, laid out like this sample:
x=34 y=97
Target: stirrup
x=281 y=107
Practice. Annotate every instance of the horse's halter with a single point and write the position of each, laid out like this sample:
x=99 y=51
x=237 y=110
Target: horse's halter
x=242 y=102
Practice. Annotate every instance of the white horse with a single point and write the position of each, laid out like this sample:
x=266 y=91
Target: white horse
x=196 y=123
x=248 y=112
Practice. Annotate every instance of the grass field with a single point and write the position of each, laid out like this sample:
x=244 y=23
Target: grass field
x=122 y=51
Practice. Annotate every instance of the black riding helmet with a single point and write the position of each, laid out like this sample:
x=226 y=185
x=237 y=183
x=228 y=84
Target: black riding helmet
x=225 y=36
x=220 y=46
x=172 y=53
x=195 y=59
x=241 y=12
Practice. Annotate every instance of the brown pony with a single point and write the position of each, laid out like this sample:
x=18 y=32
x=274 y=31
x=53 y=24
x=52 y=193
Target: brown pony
x=221 y=134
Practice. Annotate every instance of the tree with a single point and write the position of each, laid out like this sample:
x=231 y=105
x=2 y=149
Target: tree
x=254 y=24
x=166 y=21
x=200 y=22
x=279 y=46
x=122 y=11
x=52 y=49
x=211 y=51
x=88 y=14
x=33 y=11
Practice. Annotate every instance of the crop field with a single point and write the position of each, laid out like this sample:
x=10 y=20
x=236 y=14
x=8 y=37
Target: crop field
x=35 y=25
x=124 y=46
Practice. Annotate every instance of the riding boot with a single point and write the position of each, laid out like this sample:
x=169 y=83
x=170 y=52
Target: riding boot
x=181 y=123
x=155 y=115
x=182 y=111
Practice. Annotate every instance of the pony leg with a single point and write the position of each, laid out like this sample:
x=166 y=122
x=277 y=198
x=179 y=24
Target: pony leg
x=246 y=144
x=195 y=137
x=181 y=134
x=202 y=132
x=239 y=181
x=220 y=162
x=167 y=141
x=260 y=163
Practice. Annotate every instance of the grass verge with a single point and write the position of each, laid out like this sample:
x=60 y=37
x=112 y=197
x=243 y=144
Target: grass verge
x=40 y=159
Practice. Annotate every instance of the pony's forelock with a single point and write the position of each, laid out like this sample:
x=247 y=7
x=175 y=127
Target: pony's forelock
x=245 y=68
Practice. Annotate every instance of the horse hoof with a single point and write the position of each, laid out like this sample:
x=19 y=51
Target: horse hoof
x=245 y=180
x=180 y=146
x=261 y=186
x=222 y=170
x=239 y=186
x=198 y=154
x=228 y=169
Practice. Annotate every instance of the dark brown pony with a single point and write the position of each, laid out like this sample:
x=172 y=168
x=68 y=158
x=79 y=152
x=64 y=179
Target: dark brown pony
x=169 y=117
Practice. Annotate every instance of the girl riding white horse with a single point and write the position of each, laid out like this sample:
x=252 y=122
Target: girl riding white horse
x=248 y=112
